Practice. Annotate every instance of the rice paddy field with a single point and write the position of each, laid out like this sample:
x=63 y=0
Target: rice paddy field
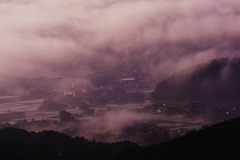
x=28 y=109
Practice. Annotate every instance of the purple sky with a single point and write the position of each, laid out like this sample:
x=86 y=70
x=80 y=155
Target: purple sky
x=41 y=36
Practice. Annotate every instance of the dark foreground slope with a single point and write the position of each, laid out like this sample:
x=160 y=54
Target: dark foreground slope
x=18 y=144
x=217 y=80
x=220 y=141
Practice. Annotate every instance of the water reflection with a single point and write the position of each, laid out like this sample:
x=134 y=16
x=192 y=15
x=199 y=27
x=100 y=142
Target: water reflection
x=28 y=109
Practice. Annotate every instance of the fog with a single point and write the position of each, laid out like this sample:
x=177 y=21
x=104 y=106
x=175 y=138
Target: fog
x=115 y=125
x=106 y=128
x=81 y=37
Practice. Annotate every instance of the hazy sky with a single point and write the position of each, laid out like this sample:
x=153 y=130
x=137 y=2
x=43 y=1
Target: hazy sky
x=37 y=36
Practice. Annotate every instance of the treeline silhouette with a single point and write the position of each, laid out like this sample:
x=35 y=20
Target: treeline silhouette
x=20 y=144
x=219 y=141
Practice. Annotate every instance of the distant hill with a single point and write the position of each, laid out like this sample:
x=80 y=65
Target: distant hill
x=217 y=80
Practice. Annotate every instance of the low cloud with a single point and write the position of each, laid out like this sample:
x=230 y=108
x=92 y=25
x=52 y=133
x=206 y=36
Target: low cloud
x=163 y=36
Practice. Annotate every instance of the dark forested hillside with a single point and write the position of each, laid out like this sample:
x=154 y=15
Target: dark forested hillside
x=18 y=144
x=220 y=141
x=218 y=80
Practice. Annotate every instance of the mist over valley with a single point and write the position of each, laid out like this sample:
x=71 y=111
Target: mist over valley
x=123 y=79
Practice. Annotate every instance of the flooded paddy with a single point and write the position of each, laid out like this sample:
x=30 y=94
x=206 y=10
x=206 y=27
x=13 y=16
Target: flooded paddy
x=28 y=109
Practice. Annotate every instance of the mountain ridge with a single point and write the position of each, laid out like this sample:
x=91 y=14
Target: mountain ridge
x=217 y=80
